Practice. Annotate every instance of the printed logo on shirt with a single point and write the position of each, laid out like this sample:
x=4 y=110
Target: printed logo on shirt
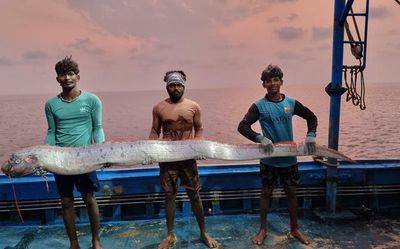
x=84 y=109
x=286 y=109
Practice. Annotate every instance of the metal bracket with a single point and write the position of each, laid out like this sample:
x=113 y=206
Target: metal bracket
x=338 y=90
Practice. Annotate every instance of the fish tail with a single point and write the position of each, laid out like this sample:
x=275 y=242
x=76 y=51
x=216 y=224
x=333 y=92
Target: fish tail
x=331 y=153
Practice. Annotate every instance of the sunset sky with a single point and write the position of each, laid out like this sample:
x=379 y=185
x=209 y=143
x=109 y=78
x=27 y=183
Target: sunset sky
x=124 y=45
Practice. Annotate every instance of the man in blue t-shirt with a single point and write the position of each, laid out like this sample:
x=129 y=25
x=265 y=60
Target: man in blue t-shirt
x=74 y=119
x=274 y=112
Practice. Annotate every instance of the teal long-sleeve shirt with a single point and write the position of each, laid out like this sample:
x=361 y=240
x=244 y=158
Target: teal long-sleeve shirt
x=74 y=123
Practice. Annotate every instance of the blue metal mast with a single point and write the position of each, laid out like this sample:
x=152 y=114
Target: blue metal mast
x=335 y=91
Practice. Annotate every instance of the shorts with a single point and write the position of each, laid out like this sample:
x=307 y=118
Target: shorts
x=185 y=170
x=274 y=176
x=84 y=183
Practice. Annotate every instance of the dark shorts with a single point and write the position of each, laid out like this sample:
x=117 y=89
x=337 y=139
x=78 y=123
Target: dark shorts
x=275 y=176
x=84 y=183
x=185 y=170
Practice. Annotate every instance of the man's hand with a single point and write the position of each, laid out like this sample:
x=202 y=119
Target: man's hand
x=267 y=145
x=310 y=145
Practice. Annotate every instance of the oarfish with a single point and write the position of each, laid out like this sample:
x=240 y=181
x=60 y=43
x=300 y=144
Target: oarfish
x=79 y=160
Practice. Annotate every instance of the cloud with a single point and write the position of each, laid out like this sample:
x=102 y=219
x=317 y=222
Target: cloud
x=325 y=46
x=294 y=56
x=290 y=33
x=5 y=61
x=379 y=12
x=237 y=9
x=146 y=18
x=321 y=33
x=148 y=61
x=274 y=19
x=87 y=46
x=229 y=46
x=142 y=18
x=162 y=45
x=283 y=54
x=35 y=55
x=281 y=1
x=293 y=17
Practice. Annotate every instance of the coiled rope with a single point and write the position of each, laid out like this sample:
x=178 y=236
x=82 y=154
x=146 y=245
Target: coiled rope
x=355 y=72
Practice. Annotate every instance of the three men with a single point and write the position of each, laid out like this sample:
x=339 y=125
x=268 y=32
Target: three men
x=179 y=118
x=274 y=112
x=74 y=118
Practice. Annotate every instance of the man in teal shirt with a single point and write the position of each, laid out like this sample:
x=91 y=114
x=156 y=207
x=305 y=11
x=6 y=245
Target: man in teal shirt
x=74 y=119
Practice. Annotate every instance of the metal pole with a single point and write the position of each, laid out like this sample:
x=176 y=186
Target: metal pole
x=335 y=90
x=366 y=33
x=346 y=10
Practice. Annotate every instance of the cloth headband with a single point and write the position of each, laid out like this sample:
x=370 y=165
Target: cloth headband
x=175 y=78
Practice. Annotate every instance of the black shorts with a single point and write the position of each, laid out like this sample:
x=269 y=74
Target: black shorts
x=275 y=176
x=84 y=183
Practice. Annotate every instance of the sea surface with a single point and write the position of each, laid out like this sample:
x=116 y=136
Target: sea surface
x=369 y=134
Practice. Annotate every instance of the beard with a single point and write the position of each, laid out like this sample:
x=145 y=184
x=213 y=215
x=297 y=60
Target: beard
x=175 y=96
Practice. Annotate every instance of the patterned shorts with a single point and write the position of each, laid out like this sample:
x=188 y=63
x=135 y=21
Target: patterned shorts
x=185 y=170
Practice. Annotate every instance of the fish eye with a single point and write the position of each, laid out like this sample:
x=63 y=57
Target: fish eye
x=17 y=160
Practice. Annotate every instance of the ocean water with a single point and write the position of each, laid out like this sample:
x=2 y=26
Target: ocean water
x=369 y=134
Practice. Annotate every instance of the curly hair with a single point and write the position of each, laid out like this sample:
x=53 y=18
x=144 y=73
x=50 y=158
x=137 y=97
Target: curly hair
x=270 y=72
x=66 y=65
x=174 y=71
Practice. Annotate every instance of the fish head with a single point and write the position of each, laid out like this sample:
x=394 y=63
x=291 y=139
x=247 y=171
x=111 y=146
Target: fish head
x=20 y=165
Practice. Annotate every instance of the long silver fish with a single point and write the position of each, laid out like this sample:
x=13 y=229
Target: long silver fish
x=79 y=160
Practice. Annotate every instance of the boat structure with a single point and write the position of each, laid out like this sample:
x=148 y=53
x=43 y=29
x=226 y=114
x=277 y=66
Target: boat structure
x=331 y=189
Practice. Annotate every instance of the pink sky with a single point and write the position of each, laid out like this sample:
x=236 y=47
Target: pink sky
x=129 y=45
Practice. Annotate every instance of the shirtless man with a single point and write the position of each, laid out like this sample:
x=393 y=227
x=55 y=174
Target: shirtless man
x=179 y=118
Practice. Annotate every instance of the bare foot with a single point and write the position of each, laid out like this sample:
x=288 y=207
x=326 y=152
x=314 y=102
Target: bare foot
x=209 y=241
x=96 y=245
x=168 y=242
x=74 y=245
x=301 y=237
x=259 y=238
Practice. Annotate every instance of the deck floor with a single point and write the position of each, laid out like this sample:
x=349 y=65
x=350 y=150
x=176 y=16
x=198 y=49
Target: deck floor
x=232 y=231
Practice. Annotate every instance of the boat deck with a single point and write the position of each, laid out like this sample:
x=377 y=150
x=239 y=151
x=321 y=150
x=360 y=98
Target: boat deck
x=232 y=231
x=133 y=214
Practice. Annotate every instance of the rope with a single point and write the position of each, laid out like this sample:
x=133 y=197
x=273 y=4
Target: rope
x=358 y=99
x=44 y=177
x=355 y=25
x=16 y=200
x=356 y=49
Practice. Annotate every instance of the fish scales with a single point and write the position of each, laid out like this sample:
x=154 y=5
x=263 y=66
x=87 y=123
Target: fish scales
x=79 y=160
